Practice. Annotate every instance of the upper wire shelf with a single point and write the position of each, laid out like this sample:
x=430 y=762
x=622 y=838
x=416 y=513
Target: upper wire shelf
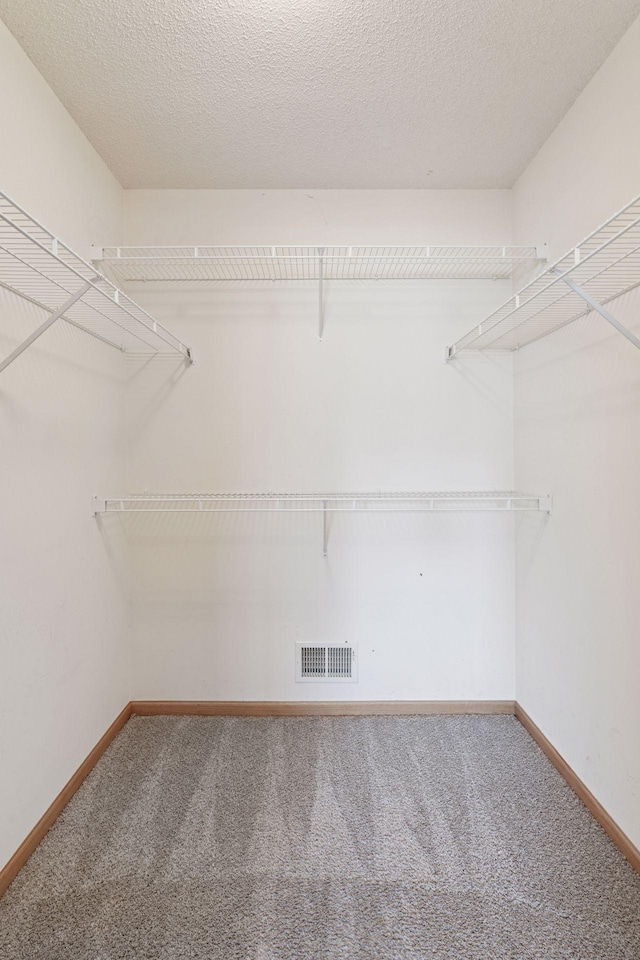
x=377 y=502
x=37 y=266
x=196 y=263
x=604 y=266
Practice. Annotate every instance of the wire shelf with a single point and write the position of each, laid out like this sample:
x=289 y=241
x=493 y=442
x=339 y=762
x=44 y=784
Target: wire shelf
x=196 y=263
x=378 y=502
x=37 y=266
x=604 y=266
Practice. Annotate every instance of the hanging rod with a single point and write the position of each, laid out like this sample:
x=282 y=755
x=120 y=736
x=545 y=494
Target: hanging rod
x=326 y=503
x=38 y=267
x=604 y=266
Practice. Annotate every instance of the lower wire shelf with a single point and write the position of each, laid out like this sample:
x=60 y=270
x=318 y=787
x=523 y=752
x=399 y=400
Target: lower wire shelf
x=326 y=503
x=410 y=502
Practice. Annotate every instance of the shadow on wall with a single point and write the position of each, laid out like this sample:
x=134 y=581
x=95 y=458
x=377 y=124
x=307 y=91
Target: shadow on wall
x=153 y=378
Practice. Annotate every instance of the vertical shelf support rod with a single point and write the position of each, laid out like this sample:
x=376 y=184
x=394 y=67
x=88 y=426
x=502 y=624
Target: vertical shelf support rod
x=320 y=293
x=325 y=529
x=45 y=326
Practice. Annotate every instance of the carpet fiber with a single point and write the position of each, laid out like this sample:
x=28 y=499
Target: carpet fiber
x=360 y=838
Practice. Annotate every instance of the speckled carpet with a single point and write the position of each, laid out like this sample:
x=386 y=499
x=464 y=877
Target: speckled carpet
x=448 y=838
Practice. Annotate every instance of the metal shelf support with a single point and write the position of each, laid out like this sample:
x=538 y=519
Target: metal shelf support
x=325 y=529
x=44 y=326
x=599 y=309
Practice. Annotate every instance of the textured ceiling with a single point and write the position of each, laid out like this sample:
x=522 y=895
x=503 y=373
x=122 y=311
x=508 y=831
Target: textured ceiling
x=317 y=93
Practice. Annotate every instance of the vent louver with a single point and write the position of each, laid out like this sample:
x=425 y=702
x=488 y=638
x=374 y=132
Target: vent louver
x=325 y=662
x=339 y=662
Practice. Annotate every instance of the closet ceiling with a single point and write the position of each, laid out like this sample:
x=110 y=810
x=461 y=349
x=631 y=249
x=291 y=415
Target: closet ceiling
x=317 y=93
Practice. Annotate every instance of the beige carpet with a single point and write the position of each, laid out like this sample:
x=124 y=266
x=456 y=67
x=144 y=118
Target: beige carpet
x=417 y=838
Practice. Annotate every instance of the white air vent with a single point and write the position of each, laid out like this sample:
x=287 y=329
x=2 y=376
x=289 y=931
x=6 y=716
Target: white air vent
x=326 y=663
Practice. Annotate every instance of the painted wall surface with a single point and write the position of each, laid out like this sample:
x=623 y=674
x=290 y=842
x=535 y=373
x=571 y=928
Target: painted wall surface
x=220 y=601
x=63 y=662
x=577 y=430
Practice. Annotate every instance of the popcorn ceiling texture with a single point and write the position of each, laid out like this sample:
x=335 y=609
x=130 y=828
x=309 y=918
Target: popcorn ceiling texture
x=451 y=838
x=317 y=93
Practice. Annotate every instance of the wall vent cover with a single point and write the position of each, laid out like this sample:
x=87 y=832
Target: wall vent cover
x=326 y=662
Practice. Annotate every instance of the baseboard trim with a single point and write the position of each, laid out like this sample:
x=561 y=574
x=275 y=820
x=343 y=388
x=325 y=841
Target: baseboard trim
x=317 y=708
x=595 y=808
x=9 y=872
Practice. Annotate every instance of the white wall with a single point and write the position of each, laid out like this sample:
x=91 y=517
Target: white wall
x=220 y=601
x=63 y=662
x=577 y=424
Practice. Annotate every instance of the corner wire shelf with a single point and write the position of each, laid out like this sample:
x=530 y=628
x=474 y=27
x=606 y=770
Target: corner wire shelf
x=604 y=266
x=326 y=503
x=318 y=263
x=38 y=267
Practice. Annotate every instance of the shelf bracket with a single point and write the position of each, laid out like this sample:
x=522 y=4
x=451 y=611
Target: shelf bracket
x=45 y=326
x=325 y=529
x=599 y=309
x=320 y=293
